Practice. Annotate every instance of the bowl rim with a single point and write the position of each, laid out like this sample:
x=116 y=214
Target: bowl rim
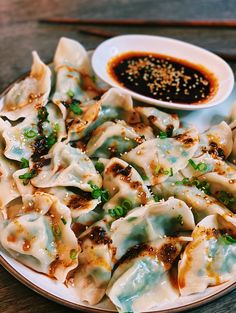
x=159 y=103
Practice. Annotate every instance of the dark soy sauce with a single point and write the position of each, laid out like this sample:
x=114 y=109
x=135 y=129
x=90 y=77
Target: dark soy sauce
x=163 y=77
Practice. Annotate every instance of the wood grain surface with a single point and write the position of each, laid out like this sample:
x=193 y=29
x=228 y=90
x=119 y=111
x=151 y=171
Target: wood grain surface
x=20 y=33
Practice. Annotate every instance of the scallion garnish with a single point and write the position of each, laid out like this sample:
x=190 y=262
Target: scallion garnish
x=163 y=135
x=63 y=220
x=117 y=212
x=43 y=114
x=127 y=204
x=97 y=193
x=56 y=231
x=75 y=108
x=121 y=210
x=73 y=254
x=51 y=140
x=99 y=166
x=228 y=199
x=192 y=163
x=227 y=239
x=157 y=198
x=157 y=169
x=168 y=171
x=70 y=93
x=24 y=163
x=202 y=167
x=30 y=133
x=27 y=176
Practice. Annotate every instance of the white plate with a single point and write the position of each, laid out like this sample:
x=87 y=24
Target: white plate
x=167 y=46
x=67 y=296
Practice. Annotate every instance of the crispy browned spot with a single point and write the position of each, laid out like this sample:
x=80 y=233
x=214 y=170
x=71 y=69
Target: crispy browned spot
x=185 y=139
x=152 y=118
x=167 y=253
x=98 y=235
x=78 y=202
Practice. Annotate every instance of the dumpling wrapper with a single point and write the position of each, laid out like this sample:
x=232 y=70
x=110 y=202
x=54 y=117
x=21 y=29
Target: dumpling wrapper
x=41 y=238
x=30 y=93
x=140 y=280
x=157 y=159
x=124 y=183
x=209 y=259
x=69 y=167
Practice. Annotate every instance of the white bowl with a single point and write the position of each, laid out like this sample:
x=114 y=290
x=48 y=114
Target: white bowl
x=167 y=46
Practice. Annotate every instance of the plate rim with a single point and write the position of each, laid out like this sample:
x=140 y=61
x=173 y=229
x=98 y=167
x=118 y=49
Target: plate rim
x=50 y=296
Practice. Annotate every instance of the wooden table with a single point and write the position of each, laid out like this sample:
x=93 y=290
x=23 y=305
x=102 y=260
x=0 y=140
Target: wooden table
x=20 y=33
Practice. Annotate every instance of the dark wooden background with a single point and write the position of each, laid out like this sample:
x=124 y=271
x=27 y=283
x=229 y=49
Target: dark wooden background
x=20 y=33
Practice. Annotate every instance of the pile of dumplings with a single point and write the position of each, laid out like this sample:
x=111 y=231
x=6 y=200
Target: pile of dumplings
x=113 y=199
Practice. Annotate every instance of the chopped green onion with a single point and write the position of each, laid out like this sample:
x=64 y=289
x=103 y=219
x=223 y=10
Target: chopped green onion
x=228 y=199
x=24 y=163
x=70 y=93
x=56 y=231
x=99 y=167
x=157 y=198
x=227 y=239
x=157 y=169
x=96 y=193
x=127 y=204
x=74 y=107
x=163 y=135
x=192 y=163
x=184 y=181
x=56 y=127
x=99 y=193
x=43 y=114
x=30 y=133
x=117 y=212
x=94 y=78
x=73 y=254
x=202 y=167
x=168 y=171
x=104 y=195
x=27 y=176
x=63 y=220
x=51 y=140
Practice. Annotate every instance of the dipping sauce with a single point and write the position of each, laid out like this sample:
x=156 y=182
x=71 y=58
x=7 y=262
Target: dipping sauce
x=163 y=77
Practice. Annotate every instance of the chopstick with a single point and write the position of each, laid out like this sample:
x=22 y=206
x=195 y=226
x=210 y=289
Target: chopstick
x=140 y=22
x=107 y=34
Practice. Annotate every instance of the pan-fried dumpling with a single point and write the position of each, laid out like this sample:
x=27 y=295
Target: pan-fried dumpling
x=112 y=139
x=217 y=141
x=124 y=184
x=42 y=238
x=8 y=187
x=74 y=74
x=150 y=222
x=30 y=93
x=160 y=120
x=157 y=159
x=220 y=175
x=201 y=203
x=209 y=259
x=80 y=203
x=140 y=280
x=95 y=263
x=113 y=105
x=69 y=167
x=22 y=139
